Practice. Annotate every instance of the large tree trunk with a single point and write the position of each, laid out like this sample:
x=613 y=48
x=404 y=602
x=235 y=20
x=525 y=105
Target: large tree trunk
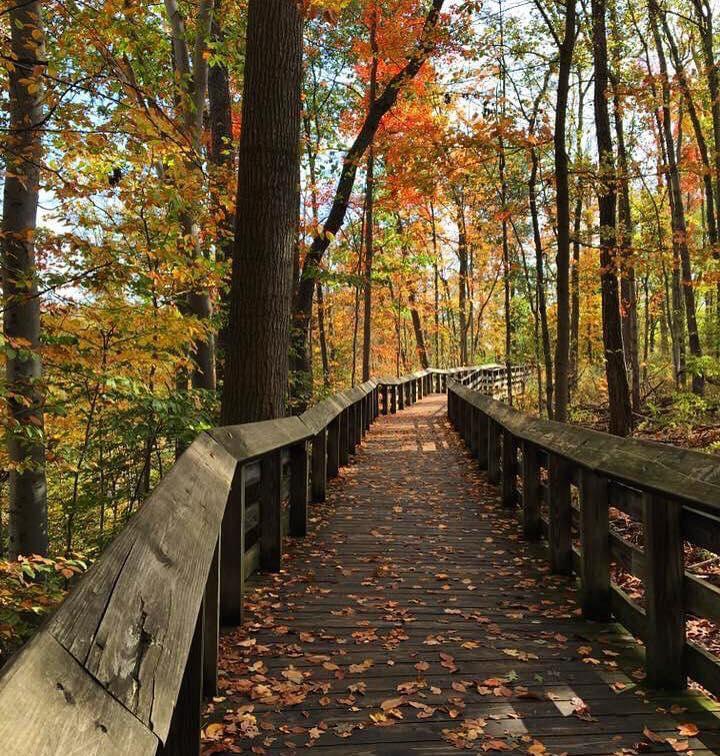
x=621 y=419
x=678 y=210
x=27 y=530
x=302 y=305
x=256 y=370
x=562 y=191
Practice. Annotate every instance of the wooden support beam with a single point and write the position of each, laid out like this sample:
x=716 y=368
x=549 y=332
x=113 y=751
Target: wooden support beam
x=232 y=548
x=184 y=736
x=393 y=400
x=385 y=399
x=270 y=511
x=594 y=546
x=509 y=469
x=664 y=603
x=333 y=447
x=344 y=437
x=493 y=466
x=299 y=473
x=531 y=515
x=319 y=466
x=474 y=431
x=559 y=533
x=211 y=633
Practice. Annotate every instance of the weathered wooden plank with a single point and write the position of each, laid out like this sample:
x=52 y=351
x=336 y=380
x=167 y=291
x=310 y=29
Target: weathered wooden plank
x=50 y=705
x=299 y=474
x=232 y=548
x=664 y=605
x=183 y=739
x=333 y=448
x=254 y=440
x=319 y=466
x=211 y=627
x=130 y=621
x=531 y=491
x=595 y=546
x=270 y=511
x=559 y=533
x=509 y=469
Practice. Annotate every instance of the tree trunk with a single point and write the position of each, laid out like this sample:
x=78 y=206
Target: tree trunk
x=621 y=419
x=256 y=371
x=322 y=335
x=562 y=344
x=678 y=210
x=27 y=529
x=222 y=157
x=628 y=292
x=462 y=283
x=302 y=305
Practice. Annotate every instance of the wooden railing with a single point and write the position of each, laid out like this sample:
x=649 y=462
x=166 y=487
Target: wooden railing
x=124 y=663
x=565 y=480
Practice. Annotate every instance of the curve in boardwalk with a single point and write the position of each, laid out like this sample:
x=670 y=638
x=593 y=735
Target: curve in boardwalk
x=414 y=619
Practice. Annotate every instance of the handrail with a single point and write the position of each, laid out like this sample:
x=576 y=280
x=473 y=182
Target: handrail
x=123 y=664
x=674 y=492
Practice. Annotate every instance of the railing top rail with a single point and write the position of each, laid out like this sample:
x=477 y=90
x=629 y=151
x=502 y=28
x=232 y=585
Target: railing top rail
x=684 y=474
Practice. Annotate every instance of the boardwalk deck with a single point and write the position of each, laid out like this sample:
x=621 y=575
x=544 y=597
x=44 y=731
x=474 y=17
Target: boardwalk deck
x=415 y=619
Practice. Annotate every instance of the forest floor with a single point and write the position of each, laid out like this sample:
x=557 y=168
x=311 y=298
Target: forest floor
x=414 y=619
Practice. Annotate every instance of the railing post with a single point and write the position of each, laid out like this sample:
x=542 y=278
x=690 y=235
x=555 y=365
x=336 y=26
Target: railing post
x=532 y=524
x=559 y=533
x=352 y=425
x=664 y=603
x=385 y=400
x=414 y=390
x=595 y=546
x=483 y=440
x=358 y=422
x=232 y=552
x=393 y=400
x=299 y=469
x=493 y=470
x=184 y=736
x=319 y=465
x=344 y=455
x=509 y=469
x=271 y=511
x=474 y=431
x=333 y=447
x=211 y=633
x=401 y=396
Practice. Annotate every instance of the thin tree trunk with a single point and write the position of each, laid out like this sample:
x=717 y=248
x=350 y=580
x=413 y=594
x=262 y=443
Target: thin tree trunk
x=628 y=293
x=322 y=335
x=562 y=192
x=462 y=282
x=256 y=371
x=621 y=419
x=27 y=527
x=678 y=211
x=221 y=156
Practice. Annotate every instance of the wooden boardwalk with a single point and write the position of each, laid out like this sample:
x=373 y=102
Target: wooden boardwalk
x=414 y=619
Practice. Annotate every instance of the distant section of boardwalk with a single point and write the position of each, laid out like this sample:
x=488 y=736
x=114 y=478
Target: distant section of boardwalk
x=415 y=619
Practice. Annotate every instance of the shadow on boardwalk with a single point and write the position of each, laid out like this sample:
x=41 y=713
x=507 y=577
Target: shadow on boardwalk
x=414 y=619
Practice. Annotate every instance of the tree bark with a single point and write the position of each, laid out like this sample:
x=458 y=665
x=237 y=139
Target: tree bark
x=302 y=305
x=256 y=371
x=191 y=69
x=221 y=156
x=621 y=419
x=27 y=529
x=462 y=282
x=678 y=209
x=562 y=192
